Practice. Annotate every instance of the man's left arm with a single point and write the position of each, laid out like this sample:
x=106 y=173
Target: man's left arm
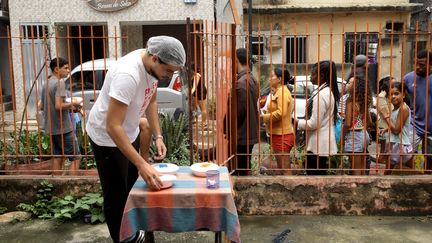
x=241 y=104
x=153 y=120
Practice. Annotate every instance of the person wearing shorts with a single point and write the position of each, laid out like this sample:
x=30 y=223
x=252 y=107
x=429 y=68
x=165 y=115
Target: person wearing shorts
x=70 y=145
x=357 y=121
x=278 y=119
x=57 y=120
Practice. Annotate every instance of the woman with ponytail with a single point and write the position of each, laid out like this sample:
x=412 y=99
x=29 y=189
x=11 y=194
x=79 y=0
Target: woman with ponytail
x=321 y=116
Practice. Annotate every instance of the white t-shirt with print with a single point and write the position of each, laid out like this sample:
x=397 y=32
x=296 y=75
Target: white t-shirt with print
x=128 y=82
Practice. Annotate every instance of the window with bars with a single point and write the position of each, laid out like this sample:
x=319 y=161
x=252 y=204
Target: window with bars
x=36 y=31
x=34 y=56
x=296 y=49
x=358 y=42
x=257 y=45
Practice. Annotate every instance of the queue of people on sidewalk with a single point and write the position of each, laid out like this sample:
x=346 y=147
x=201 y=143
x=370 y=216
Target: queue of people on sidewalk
x=402 y=118
x=335 y=123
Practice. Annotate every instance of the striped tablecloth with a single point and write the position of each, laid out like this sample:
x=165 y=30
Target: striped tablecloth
x=187 y=206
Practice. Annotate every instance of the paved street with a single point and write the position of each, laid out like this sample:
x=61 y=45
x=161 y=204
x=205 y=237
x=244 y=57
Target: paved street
x=256 y=229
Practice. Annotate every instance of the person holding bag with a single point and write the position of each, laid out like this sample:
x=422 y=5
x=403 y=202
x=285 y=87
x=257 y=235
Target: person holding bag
x=278 y=119
x=321 y=118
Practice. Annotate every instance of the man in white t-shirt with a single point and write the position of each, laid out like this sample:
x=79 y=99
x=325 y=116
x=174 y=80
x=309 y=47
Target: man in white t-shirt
x=128 y=94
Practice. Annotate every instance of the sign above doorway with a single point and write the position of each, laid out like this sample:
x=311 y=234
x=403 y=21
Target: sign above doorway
x=110 y=5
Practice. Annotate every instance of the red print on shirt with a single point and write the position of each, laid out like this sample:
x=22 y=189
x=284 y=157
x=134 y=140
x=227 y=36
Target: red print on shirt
x=148 y=95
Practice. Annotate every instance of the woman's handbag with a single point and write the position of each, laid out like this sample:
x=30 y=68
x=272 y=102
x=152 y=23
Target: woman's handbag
x=338 y=129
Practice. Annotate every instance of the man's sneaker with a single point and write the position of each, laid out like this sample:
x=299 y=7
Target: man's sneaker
x=140 y=237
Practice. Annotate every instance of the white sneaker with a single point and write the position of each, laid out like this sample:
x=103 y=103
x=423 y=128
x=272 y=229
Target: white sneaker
x=141 y=237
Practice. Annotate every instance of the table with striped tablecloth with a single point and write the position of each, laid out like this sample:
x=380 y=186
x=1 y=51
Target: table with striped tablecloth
x=187 y=206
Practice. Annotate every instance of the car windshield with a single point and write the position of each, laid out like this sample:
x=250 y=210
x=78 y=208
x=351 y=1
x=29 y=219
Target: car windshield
x=298 y=90
x=86 y=80
x=301 y=89
x=165 y=83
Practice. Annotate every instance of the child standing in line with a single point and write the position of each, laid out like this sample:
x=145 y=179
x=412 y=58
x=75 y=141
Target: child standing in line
x=399 y=145
x=384 y=107
x=357 y=121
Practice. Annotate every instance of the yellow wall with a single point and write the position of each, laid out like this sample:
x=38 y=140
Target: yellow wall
x=328 y=2
x=323 y=46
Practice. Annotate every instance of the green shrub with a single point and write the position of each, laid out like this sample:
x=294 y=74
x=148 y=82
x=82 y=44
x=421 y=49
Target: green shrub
x=339 y=164
x=264 y=150
x=3 y=210
x=69 y=207
x=175 y=139
x=89 y=161
x=32 y=149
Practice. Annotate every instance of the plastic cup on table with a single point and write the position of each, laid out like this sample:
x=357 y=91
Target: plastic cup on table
x=212 y=179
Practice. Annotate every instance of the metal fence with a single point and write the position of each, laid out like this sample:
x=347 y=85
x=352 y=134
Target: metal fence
x=213 y=110
x=386 y=52
x=26 y=147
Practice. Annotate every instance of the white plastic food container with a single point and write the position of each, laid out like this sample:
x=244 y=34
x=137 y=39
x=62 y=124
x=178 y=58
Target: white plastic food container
x=200 y=169
x=167 y=180
x=77 y=99
x=166 y=168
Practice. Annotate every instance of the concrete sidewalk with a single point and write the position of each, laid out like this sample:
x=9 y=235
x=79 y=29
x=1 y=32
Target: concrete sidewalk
x=254 y=229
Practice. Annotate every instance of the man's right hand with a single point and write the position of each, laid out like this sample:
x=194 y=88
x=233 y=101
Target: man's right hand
x=150 y=176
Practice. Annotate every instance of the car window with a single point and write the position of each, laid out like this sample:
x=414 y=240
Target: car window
x=301 y=89
x=264 y=90
x=87 y=80
x=310 y=89
x=165 y=83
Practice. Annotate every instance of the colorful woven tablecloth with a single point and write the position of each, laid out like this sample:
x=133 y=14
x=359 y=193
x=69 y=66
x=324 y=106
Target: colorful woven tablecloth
x=187 y=206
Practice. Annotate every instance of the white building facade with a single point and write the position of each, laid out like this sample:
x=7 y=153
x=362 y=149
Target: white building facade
x=104 y=34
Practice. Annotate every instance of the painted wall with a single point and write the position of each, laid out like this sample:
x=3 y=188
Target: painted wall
x=79 y=12
x=269 y=195
x=329 y=2
x=325 y=35
x=333 y=195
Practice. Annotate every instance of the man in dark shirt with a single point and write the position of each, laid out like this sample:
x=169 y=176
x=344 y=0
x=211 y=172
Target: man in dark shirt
x=247 y=112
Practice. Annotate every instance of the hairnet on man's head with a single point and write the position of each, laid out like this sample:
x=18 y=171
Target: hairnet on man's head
x=168 y=49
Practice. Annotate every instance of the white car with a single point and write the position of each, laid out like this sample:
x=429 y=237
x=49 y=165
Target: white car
x=302 y=86
x=88 y=78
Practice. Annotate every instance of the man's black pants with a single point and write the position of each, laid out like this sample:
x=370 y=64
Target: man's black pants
x=117 y=176
x=313 y=160
x=243 y=159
